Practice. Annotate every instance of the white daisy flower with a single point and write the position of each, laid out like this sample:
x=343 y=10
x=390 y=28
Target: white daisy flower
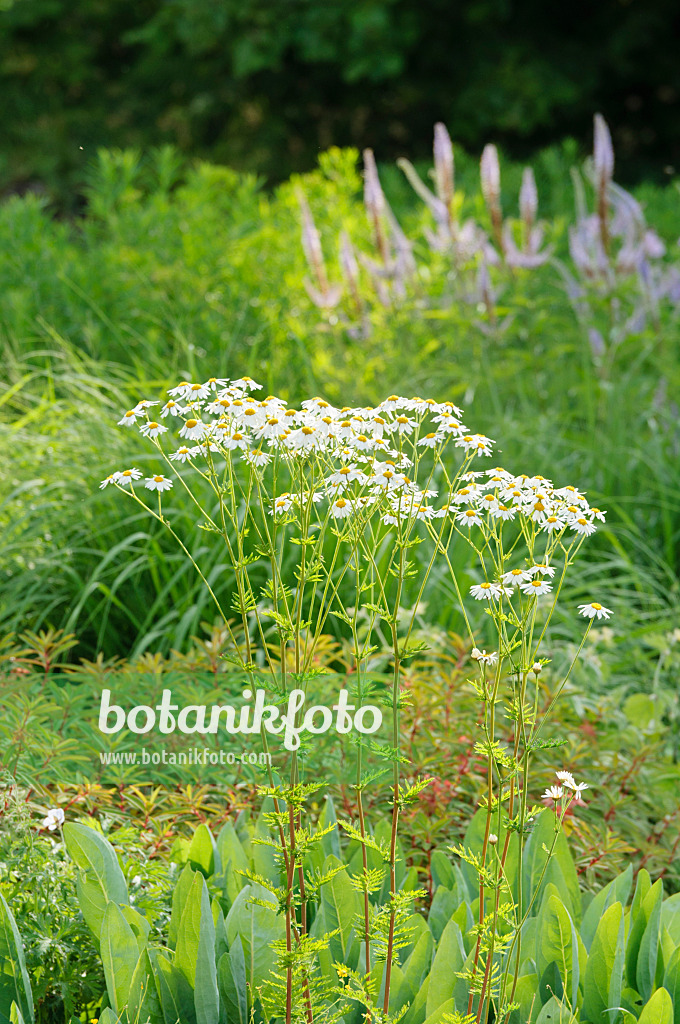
x=158 y=483
x=172 y=408
x=146 y=403
x=283 y=503
x=553 y=793
x=179 y=390
x=543 y=569
x=483 y=657
x=257 y=458
x=535 y=587
x=485 y=591
x=54 y=818
x=341 y=508
x=430 y=440
x=216 y=382
x=502 y=512
x=193 y=430
x=152 y=429
x=129 y=418
x=594 y=610
x=567 y=778
x=582 y=526
x=127 y=476
x=110 y=479
x=516 y=576
x=598 y=514
x=469 y=517
x=553 y=524
x=183 y=454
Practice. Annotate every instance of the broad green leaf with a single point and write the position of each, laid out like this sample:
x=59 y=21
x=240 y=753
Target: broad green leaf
x=671 y=982
x=474 y=841
x=642 y=946
x=604 y=971
x=206 y=995
x=670 y=917
x=15 y=1015
x=257 y=927
x=202 y=851
x=557 y=942
x=526 y=994
x=234 y=860
x=416 y=1011
x=330 y=844
x=232 y=983
x=177 y=999
x=658 y=1010
x=96 y=858
x=107 y=1016
x=443 y=906
x=263 y=854
x=179 y=898
x=449 y=959
x=555 y=1012
x=340 y=903
x=560 y=868
x=417 y=966
x=197 y=915
x=143 y=1002
x=414 y=927
x=616 y=891
x=442 y=871
x=15 y=986
x=441 y=1012
x=119 y=953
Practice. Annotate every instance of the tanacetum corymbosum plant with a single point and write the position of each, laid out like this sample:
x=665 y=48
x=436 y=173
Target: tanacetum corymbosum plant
x=344 y=512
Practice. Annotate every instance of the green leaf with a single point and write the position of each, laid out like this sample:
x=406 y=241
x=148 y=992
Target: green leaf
x=555 y=1012
x=119 y=953
x=442 y=871
x=234 y=860
x=232 y=983
x=102 y=880
x=560 y=869
x=557 y=942
x=442 y=908
x=143 y=1002
x=257 y=927
x=617 y=891
x=604 y=971
x=206 y=995
x=179 y=898
x=15 y=986
x=671 y=982
x=418 y=963
x=177 y=999
x=642 y=947
x=330 y=843
x=340 y=903
x=449 y=958
x=658 y=1010
x=202 y=853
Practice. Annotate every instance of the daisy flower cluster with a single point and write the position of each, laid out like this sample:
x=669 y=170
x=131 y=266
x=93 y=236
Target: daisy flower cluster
x=566 y=788
x=357 y=459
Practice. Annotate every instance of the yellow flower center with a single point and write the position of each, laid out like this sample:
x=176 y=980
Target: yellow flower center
x=158 y=479
x=191 y=424
x=596 y=606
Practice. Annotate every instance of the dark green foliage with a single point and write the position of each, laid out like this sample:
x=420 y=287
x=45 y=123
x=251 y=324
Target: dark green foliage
x=265 y=85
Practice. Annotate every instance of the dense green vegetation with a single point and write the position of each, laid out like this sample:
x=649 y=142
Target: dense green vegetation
x=557 y=329
x=265 y=85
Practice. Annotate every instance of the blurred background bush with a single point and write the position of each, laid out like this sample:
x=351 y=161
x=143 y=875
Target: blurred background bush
x=263 y=85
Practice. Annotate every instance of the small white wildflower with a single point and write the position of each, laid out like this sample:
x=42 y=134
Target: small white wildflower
x=516 y=576
x=152 y=429
x=54 y=818
x=553 y=793
x=485 y=591
x=129 y=418
x=493 y=838
x=193 y=430
x=567 y=778
x=535 y=587
x=158 y=483
x=582 y=526
x=594 y=610
x=183 y=454
x=127 y=476
x=483 y=657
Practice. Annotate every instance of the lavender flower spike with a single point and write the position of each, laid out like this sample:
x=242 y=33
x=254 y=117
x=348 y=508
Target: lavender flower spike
x=528 y=198
x=603 y=152
x=443 y=164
